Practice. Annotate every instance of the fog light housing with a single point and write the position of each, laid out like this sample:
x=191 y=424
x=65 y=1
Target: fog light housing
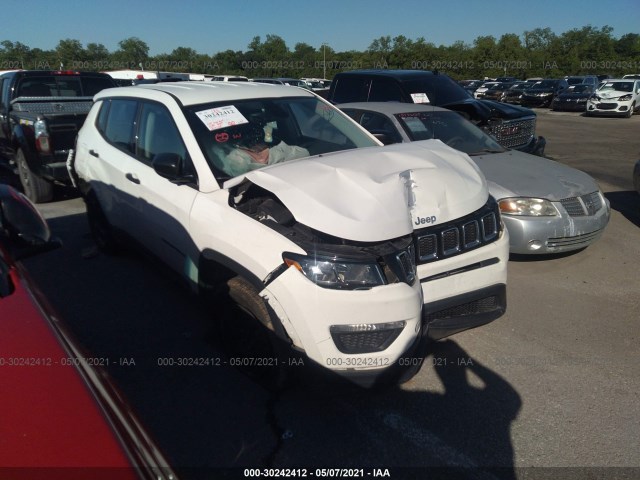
x=366 y=337
x=535 y=245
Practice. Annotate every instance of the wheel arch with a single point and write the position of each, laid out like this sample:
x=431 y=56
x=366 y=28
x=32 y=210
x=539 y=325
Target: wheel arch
x=216 y=270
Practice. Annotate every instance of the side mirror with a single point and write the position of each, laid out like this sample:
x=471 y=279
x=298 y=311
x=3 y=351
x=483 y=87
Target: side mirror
x=384 y=138
x=22 y=228
x=169 y=166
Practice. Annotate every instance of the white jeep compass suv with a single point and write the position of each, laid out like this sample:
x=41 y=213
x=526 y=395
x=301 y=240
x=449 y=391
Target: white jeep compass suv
x=352 y=253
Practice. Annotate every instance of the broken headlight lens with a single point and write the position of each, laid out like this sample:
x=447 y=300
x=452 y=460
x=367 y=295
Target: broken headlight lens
x=530 y=207
x=337 y=273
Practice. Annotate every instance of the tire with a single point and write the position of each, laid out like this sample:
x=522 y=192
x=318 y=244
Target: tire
x=100 y=228
x=244 y=339
x=631 y=110
x=35 y=188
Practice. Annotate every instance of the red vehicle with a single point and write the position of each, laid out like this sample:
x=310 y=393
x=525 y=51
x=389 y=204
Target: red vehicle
x=61 y=418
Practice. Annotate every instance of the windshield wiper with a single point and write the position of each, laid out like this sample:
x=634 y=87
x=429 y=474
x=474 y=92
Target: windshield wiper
x=486 y=150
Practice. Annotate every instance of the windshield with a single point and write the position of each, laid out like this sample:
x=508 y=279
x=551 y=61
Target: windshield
x=545 y=84
x=449 y=127
x=581 y=88
x=440 y=89
x=239 y=136
x=618 y=86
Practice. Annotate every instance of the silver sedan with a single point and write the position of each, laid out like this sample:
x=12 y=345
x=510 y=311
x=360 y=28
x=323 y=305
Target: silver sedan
x=547 y=207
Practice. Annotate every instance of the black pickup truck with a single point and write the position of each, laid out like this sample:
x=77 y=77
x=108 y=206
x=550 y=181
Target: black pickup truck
x=512 y=126
x=40 y=115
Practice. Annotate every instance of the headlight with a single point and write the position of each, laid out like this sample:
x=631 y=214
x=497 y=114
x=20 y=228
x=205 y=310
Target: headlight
x=625 y=98
x=530 y=207
x=337 y=273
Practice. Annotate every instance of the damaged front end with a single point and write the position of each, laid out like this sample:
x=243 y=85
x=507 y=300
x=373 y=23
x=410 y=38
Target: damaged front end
x=353 y=307
x=330 y=262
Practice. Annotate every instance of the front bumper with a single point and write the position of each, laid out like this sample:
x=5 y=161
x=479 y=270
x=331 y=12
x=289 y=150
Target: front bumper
x=536 y=101
x=562 y=233
x=535 y=147
x=308 y=312
x=609 y=107
x=570 y=106
x=452 y=295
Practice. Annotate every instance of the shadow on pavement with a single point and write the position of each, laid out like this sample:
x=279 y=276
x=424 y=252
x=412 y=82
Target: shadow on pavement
x=627 y=203
x=207 y=415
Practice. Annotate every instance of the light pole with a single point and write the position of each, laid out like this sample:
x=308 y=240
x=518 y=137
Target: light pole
x=324 y=61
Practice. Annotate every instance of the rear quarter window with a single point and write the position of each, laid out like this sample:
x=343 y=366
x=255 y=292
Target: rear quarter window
x=348 y=89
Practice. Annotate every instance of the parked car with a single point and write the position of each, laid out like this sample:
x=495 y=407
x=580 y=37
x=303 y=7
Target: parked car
x=506 y=79
x=496 y=92
x=619 y=97
x=228 y=78
x=632 y=76
x=471 y=85
x=40 y=115
x=513 y=126
x=542 y=93
x=62 y=416
x=272 y=194
x=583 y=79
x=482 y=89
x=547 y=207
x=514 y=94
x=295 y=82
x=573 y=98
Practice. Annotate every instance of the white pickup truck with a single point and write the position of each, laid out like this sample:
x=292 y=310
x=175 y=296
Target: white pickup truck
x=353 y=253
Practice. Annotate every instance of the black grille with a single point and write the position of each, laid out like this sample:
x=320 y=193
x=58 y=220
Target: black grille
x=470 y=234
x=452 y=238
x=475 y=307
x=364 y=342
x=450 y=241
x=407 y=262
x=428 y=247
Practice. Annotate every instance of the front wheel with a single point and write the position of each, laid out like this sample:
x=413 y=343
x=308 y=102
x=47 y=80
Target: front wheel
x=631 y=110
x=35 y=188
x=252 y=345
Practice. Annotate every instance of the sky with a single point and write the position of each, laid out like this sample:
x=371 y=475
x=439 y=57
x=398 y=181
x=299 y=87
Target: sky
x=212 y=26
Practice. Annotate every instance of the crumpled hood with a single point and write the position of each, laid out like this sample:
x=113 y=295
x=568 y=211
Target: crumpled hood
x=607 y=94
x=377 y=193
x=518 y=174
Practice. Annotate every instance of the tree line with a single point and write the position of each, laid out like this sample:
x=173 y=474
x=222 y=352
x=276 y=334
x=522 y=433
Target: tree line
x=536 y=53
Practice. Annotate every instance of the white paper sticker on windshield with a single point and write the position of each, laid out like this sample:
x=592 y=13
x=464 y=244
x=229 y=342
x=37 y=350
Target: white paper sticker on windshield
x=420 y=98
x=221 y=117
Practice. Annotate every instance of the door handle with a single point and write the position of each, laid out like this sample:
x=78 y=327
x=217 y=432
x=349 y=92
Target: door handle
x=94 y=153
x=132 y=177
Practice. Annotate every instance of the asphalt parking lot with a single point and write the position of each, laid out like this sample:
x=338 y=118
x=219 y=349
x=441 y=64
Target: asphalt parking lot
x=550 y=390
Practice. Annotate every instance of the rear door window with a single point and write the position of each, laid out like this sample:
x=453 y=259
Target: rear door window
x=158 y=134
x=121 y=124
